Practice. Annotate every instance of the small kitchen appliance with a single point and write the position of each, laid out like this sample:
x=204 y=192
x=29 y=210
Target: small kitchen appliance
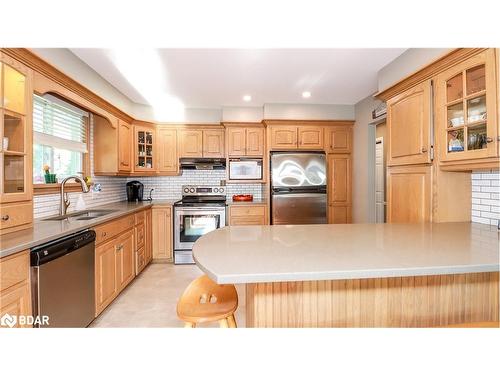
x=135 y=191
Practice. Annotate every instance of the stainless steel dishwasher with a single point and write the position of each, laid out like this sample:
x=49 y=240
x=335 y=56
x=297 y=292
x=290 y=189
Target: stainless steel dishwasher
x=62 y=277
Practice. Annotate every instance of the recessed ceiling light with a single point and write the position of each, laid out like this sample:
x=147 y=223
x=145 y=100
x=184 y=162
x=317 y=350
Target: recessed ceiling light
x=306 y=94
x=247 y=98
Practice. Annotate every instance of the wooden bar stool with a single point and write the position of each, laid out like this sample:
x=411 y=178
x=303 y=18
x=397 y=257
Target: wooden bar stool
x=205 y=301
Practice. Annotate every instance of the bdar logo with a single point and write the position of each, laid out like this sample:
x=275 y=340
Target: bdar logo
x=8 y=320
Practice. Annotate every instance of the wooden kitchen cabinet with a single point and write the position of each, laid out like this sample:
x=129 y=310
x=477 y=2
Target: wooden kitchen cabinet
x=145 y=149
x=125 y=258
x=409 y=126
x=191 y=143
x=339 y=188
x=310 y=137
x=248 y=214
x=125 y=136
x=106 y=279
x=409 y=194
x=162 y=233
x=16 y=178
x=167 y=150
x=148 y=246
x=245 y=140
x=283 y=137
x=15 y=287
x=466 y=106
x=338 y=139
x=213 y=144
x=114 y=259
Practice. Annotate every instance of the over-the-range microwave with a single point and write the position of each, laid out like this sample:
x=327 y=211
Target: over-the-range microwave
x=245 y=169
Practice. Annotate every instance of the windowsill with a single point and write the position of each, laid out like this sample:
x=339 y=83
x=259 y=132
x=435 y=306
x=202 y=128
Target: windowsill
x=44 y=189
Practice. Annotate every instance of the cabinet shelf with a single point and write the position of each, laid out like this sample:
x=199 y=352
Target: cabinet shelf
x=13 y=153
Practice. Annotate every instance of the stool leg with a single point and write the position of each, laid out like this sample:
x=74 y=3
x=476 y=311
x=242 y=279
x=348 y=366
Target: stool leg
x=231 y=322
x=189 y=325
x=223 y=323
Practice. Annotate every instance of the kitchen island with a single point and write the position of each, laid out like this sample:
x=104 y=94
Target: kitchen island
x=358 y=275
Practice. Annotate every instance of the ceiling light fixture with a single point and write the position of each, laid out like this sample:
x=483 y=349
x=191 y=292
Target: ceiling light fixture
x=247 y=98
x=306 y=94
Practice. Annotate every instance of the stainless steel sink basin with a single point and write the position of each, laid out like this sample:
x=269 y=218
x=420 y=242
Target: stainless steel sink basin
x=80 y=215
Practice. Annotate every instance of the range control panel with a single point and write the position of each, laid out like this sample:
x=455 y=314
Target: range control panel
x=190 y=190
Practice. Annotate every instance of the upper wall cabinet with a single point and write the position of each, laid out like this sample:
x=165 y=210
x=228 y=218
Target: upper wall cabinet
x=409 y=126
x=167 y=150
x=198 y=143
x=145 y=149
x=466 y=111
x=125 y=136
x=290 y=137
x=244 y=140
x=338 y=139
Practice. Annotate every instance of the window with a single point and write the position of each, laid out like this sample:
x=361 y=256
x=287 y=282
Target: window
x=59 y=138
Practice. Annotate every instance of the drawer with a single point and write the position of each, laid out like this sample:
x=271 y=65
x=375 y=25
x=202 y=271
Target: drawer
x=140 y=217
x=249 y=210
x=140 y=260
x=140 y=236
x=247 y=220
x=109 y=230
x=14 y=269
x=16 y=214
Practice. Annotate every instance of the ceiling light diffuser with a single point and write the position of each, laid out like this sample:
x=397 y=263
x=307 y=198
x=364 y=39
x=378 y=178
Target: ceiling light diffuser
x=247 y=98
x=306 y=94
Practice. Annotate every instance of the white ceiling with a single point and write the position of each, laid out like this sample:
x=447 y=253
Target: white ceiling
x=212 y=78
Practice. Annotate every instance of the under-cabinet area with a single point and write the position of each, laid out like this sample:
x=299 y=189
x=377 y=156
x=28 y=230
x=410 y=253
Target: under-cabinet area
x=266 y=214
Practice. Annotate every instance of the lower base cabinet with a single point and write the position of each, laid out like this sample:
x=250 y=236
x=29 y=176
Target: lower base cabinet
x=15 y=289
x=251 y=214
x=162 y=244
x=338 y=214
x=114 y=266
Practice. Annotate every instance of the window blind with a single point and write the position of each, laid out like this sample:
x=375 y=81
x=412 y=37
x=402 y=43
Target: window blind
x=59 y=125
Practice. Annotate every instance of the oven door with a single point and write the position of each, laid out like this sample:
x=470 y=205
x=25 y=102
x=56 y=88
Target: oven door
x=192 y=223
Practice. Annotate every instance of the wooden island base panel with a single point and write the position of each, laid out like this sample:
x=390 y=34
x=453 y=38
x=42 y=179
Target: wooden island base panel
x=416 y=301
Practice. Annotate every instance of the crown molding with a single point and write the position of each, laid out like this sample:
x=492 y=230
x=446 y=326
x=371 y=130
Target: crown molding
x=437 y=66
x=39 y=65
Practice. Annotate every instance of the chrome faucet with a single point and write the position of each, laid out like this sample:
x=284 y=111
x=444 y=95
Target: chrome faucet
x=64 y=196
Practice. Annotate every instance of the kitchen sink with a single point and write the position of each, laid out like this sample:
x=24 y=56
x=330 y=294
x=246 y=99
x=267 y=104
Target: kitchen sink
x=81 y=215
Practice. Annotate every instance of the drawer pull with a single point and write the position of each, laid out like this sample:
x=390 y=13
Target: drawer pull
x=5 y=217
x=424 y=150
x=104 y=234
x=489 y=140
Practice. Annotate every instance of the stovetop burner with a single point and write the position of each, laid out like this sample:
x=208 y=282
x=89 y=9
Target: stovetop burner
x=202 y=196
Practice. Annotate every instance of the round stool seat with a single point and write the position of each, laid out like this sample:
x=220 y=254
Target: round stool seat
x=205 y=301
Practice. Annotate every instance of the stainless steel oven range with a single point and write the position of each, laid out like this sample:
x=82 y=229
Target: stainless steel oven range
x=201 y=210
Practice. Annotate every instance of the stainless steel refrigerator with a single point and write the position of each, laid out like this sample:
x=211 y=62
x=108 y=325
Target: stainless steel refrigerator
x=298 y=188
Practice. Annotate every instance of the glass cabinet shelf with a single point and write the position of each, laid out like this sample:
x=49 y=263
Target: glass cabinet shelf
x=144 y=149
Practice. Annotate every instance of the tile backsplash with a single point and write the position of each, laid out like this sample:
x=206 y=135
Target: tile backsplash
x=486 y=197
x=165 y=187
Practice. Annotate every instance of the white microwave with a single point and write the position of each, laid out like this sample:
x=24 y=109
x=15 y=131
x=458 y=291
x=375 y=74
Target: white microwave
x=245 y=169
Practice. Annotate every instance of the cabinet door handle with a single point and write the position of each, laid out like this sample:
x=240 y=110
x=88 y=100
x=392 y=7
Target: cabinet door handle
x=119 y=247
x=489 y=140
x=5 y=217
x=424 y=150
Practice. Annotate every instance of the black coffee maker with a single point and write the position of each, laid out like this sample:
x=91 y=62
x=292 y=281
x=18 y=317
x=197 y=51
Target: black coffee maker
x=135 y=190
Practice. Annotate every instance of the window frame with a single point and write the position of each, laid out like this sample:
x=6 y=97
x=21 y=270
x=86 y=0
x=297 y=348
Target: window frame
x=44 y=189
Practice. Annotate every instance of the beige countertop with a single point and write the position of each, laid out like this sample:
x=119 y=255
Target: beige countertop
x=44 y=231
x=230 y=202
x=251 y=254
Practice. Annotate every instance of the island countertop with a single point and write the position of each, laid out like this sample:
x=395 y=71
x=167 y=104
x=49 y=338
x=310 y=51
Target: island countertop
x=258 y=254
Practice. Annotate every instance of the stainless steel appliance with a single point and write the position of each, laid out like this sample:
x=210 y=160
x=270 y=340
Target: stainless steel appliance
x=201 y=210
x=135 y=191
x=298 y=188
x=62 y=278
x=245 y=169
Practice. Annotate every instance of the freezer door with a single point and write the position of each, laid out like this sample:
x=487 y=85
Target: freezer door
x=298 y=169
x=305 y=208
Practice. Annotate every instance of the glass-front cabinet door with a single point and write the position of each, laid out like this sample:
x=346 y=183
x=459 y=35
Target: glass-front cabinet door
x=145 y=155
x=15 y=132
x=466 y=109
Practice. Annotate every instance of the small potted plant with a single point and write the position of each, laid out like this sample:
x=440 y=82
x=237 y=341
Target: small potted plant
x=50 y=178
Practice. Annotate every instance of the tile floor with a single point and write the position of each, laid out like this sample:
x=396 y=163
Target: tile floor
x=151 y=299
